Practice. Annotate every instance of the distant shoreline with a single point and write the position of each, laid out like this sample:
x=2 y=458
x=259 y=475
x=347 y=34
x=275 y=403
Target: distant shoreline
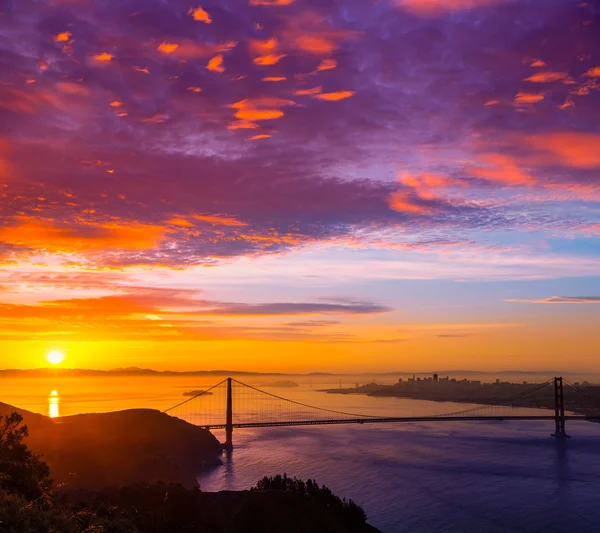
x=134 y=371
x=479 y=395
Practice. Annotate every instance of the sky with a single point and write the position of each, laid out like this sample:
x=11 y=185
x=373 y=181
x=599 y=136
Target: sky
x=300 y=185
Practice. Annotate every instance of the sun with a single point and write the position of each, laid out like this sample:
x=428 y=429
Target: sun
x=55 y=357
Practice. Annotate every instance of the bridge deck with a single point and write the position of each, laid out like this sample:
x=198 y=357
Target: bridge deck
x=400 y=420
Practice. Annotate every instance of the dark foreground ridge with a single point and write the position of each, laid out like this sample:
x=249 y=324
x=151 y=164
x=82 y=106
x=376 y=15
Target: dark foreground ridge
x=265 y=509
x=29 y=502
x=97 y=450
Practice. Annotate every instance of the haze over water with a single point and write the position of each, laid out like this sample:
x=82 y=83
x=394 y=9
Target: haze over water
x=451 y=477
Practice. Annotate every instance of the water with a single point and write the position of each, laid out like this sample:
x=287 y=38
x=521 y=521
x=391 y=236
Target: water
x=438 y=477
x=454 y=477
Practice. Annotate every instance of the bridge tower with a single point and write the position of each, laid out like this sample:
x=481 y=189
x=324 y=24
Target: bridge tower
x=229 y=418
x=559 y=409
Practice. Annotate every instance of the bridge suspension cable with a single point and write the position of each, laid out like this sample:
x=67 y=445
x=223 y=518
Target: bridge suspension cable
x=253 y=407
x=304 y=405
x=195 y=396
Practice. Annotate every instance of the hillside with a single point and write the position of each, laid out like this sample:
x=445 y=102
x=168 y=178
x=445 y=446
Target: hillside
x=97 y=450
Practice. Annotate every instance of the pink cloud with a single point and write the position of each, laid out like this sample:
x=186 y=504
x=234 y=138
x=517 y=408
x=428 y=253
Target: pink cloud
x=572 y=149
x=437 y=7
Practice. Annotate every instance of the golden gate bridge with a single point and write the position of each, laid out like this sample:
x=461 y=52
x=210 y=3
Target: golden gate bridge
x=232 y=404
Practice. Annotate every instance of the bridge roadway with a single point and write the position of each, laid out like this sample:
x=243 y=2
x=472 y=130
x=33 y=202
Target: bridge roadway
x=374 y=420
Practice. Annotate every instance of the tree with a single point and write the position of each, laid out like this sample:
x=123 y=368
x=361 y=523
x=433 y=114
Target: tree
x=322 y=495
x=21 y=471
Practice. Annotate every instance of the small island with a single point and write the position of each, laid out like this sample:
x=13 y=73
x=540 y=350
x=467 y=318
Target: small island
x=197 y=393
x=283 y=384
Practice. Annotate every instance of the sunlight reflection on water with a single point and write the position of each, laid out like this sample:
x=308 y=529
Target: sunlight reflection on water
x=53 y=404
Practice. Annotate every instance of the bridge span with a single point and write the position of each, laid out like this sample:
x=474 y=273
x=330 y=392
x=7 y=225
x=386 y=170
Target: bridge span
x=213 y=408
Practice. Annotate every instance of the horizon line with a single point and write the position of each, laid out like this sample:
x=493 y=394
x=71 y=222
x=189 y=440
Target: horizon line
x=138 y=370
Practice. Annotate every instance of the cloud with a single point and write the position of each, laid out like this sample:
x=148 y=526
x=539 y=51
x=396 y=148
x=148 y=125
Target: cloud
x=168 y=48
x=162 y=314
x=271 y=2
x=216 y=64
x=594 y=72
x=438 y=7
x=185 y=302
x=454 y=335
x=501 y=168
x=36 y=234
x=559 y=300
x=258 y=114
x=220 y=220
x=268 y=59
x=523 y=98
x=405 y=202
x=104 y=56
x=262 y=108
x=312 y=33
x=200 y=15
x=547 y=77
x=339 y=95
x=426 y=194
x=312 y=323
x=312 y=91
x=63 y=37
x=85 y=182
x=277 y=309
x=327 y=64
x=574 y=149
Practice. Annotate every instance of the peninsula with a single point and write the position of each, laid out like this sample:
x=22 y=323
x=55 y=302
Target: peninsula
x=582 y=398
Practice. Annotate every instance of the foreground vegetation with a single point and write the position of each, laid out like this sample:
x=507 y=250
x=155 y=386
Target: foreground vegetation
x=29 y=502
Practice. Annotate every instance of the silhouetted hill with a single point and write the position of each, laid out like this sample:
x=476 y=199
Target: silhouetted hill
x=97 y=450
